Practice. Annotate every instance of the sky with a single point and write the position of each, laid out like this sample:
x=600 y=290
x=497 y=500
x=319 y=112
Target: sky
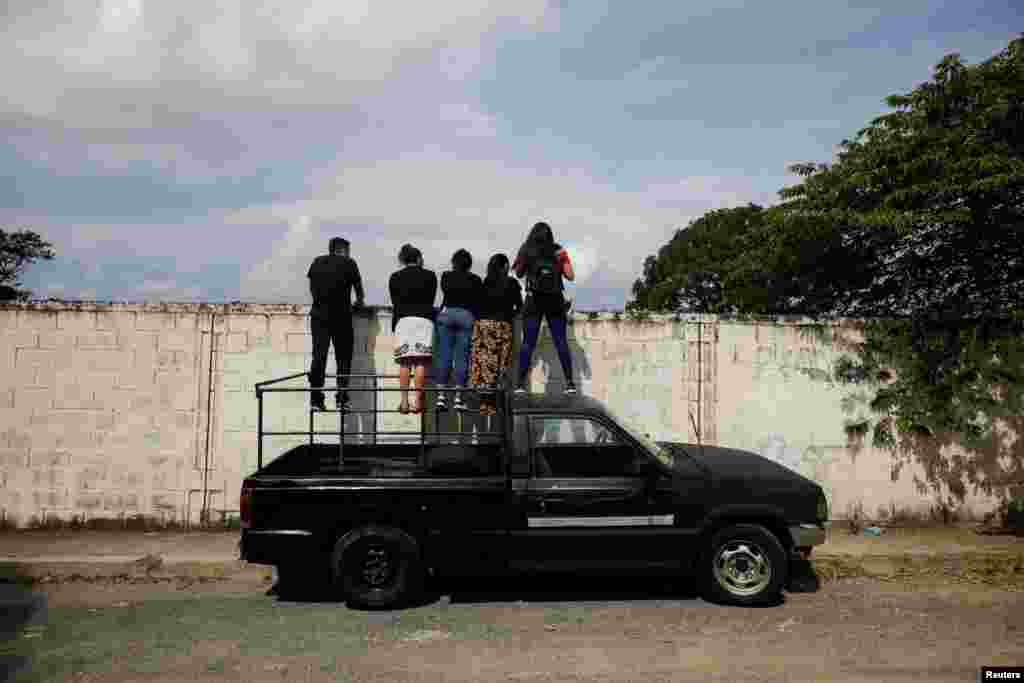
x=207 y=150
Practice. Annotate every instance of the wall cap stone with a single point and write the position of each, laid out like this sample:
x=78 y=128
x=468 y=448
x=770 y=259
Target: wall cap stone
x=383 y=311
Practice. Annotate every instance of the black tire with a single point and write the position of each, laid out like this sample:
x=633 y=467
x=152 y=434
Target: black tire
x=377 y=567
x=745 y=565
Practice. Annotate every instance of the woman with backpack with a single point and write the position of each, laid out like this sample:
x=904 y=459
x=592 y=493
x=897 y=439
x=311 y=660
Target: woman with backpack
x=500 y=302
x=544 y=263
x=462 y=290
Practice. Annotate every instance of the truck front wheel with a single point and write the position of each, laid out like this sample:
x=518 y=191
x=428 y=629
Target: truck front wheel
x=377 y=567
x=744 y=565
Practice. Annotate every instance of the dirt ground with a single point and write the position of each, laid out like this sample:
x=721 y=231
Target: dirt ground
x=94 y=545
x=852 y=630
x=911 y=605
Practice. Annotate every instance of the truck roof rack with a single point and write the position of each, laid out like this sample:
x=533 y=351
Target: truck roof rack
x=429 y=430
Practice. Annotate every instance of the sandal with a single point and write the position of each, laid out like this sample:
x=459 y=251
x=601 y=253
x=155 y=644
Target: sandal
x=403 y=407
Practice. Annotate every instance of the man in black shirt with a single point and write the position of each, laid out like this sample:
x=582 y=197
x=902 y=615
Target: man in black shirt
x=332 y=277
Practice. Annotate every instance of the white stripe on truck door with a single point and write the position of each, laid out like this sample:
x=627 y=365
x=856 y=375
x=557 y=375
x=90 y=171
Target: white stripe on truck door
x=560 y=522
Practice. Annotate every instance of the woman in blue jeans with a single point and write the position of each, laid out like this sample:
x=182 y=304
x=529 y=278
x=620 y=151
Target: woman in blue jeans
x=462 y=291
x=544 y=263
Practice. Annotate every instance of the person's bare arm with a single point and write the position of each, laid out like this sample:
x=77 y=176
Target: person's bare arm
x=519 y=268
x=567 y=270
x=358 y=286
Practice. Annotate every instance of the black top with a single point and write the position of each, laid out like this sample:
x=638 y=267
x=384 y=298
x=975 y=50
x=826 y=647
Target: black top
x=501 y=302
x=331 y=281
x=462 y=290
x=413 y=290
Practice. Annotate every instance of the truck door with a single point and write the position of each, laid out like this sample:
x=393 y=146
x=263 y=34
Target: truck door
x=590 y=501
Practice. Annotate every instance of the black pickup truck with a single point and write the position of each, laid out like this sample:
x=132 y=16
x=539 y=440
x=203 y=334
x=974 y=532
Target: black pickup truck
x=558 y=482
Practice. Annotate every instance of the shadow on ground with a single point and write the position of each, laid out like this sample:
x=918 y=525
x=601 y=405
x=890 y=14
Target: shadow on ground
x=562 y=588
x=551 y=587
x=21 y=611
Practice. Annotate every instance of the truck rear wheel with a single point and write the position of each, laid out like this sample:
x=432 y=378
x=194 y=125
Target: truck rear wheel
x=377 y=567
x=744 y=565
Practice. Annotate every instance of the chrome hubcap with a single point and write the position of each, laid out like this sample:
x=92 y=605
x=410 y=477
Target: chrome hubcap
x=742 y=568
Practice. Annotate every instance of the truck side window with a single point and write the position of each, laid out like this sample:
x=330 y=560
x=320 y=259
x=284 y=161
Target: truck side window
x=579 y=447
x=570 y=430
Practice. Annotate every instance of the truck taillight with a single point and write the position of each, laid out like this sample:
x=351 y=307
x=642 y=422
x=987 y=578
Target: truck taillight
x=245 y=506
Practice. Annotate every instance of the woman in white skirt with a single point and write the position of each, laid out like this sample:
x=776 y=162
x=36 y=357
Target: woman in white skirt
x=413 y=290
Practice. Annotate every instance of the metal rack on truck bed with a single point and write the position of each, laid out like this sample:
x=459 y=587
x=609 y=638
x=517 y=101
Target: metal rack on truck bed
x=430 y=420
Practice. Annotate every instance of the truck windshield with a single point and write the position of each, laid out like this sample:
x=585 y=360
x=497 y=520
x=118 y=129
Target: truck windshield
x=659 y=452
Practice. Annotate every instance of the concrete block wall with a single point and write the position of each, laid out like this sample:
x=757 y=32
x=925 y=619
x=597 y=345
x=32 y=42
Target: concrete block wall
x=774 y=399
x=110 y=410
x=99 y=417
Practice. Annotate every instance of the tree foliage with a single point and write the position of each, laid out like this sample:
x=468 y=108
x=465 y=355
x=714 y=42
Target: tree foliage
x=17 y=250
x=923 y=212
x=691 y=272
x=917 y=232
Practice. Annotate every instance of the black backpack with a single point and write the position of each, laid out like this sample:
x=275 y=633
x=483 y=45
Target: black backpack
x=545 y=275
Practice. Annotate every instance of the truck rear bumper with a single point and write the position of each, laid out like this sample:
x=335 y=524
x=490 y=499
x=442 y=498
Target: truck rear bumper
x=274 y=546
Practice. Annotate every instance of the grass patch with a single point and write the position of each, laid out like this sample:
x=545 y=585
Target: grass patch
x=163 y=635
x=997 y=571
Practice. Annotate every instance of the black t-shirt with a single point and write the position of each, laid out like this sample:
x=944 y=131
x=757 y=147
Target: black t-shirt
x=413 y=290
x=502 y=301
x=462 y=290
x=331 y=280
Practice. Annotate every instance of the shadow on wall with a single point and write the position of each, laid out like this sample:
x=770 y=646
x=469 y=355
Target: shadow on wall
x=545 y=356
x=362 y=421
x=991 y=466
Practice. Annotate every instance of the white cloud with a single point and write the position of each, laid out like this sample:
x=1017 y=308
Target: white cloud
x=281 y=275
x=442 y=203
x=166 y=290
x=147 y=63
x=157 y=286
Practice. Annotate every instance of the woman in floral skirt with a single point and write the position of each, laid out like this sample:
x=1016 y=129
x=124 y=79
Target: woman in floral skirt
x=500 y=303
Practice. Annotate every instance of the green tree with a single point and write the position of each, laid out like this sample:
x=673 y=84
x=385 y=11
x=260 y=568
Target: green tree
x=921 y=221
x=17 y=250
x=923 y=211
x=692 y=272
x=916 y=233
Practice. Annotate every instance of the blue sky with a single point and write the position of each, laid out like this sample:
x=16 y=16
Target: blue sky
x=206 y=150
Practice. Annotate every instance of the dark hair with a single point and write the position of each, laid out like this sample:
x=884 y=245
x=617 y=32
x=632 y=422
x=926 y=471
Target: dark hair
x=540 y=241
x=337 y=243
x=496 y=272
x=408 y=254
x=462 y=261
